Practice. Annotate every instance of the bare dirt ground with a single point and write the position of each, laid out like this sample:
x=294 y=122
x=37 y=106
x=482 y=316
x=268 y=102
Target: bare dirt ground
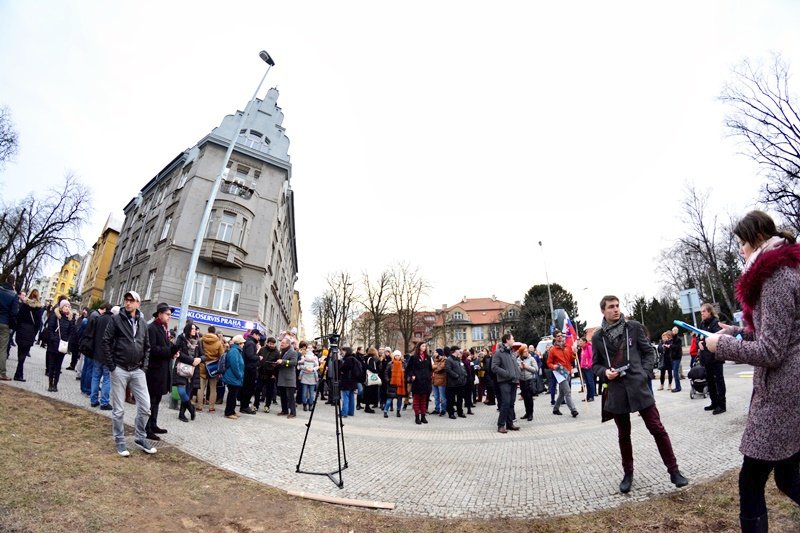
x=60 y=473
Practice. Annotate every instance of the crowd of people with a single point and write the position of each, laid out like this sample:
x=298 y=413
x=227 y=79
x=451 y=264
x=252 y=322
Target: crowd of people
x=125 y=357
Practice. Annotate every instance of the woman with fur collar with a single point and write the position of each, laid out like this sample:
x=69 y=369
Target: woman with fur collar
x=29 y=322
x=769 y=292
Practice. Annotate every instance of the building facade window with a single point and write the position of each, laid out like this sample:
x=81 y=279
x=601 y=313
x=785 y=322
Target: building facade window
x=226 y=295
x=165 y=231
x=458 y=315
x=201 y=289
x=460 y=334
x=110 y=297
x=225 y=228
x=121 y=257
x=494 y=332
x=477 y=333
x=151 y=276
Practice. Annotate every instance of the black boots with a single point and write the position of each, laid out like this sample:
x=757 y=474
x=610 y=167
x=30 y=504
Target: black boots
x=190 y=406
x=626 y=483
x=711 y=407
x=182 y=413
x=50 y=385
x=678 y=479
x=754 y=525
x=720 y=408
x=423 y=419
x=53 y=384
x=417 y=420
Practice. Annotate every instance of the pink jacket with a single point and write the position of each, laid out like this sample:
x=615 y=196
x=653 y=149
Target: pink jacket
x=586 y=356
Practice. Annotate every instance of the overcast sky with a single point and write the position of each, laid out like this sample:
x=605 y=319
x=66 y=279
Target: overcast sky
x=452 y=135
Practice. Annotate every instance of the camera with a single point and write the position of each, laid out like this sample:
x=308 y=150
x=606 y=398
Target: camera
x=623 y=370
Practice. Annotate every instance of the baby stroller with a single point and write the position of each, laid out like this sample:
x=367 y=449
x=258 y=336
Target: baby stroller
x=697 y=380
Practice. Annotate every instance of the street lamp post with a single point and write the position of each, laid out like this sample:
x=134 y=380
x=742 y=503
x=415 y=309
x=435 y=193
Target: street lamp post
x=549 y=295
x=201 y=229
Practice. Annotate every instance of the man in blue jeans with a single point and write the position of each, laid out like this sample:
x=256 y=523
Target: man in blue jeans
x=676 y=352
x=506 y=371
x=100 y=397
x=126 y=346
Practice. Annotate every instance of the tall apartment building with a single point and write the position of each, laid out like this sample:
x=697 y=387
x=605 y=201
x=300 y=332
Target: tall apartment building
x=67 y=278
x=248 y=260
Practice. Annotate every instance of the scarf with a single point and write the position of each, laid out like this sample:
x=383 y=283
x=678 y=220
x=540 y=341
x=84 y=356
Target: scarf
x=766 y=246
x=614 y=331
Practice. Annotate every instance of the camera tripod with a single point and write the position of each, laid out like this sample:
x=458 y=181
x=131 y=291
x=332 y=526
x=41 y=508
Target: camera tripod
x=332 y=369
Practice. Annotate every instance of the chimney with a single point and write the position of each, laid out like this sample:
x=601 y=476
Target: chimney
x=517 y=302
x=444 y=306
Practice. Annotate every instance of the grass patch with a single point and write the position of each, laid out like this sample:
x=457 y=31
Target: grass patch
x=60 y=473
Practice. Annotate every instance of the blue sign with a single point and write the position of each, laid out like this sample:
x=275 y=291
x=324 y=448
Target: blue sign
x=201 y=317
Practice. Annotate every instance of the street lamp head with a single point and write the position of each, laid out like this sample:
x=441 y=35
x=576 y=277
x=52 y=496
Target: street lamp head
x=266 y=57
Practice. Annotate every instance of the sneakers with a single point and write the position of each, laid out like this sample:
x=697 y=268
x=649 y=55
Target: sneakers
x=502 y=429
x=232 y=417
x=574 y=413
x=144 y=446
x=248 y=410
x=95 y=404
x=266 y=408
x=157 y=430
x=556 y=412
x=122 y=449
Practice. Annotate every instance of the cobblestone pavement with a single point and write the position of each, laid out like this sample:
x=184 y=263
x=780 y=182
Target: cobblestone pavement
x=555 y=465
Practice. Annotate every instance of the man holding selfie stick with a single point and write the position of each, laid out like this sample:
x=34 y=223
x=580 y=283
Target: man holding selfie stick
x=624 y=357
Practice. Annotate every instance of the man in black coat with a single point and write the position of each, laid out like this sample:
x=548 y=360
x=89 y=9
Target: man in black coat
x=266 y=374
x=456 y=380
x=714 y=368
x=251 y=360
x=624 y=357
x=158 y=372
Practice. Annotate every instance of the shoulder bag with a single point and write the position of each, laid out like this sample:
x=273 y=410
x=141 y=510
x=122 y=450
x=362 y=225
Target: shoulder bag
x=63 y=346
x=184 y=370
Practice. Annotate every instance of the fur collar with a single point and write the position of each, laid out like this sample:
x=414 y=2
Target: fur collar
x=34 y=304
x=748 y=288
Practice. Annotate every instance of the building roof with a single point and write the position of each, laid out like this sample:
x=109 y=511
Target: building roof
x=479 y=311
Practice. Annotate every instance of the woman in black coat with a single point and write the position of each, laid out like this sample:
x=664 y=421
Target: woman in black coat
x=187 y=353
x=59 y=327
x=420 y=372
x=371 y=392
x=29 y=322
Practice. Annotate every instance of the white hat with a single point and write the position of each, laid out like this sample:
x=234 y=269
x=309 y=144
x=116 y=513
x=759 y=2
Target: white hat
x=237 y=339
x=134 y=295
x=397 y=352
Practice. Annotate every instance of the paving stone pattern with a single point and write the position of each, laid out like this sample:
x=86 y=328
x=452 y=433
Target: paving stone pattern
x=463 y=468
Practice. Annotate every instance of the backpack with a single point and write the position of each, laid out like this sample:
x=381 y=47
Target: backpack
x=86 y=343
x=221 y=366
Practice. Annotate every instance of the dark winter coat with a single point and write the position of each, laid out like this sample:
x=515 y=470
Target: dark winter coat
x=9 y=305
x=158 y=373
x=349 y=372
x=711 y=325
x=456 y=372
x=29 y=322
x=266 y=368
x=769 y=292
x=122 y=347
x=420 y=372
x=676 y=352
x=630 y=393
x=250 y=354
x=186 y=354
x=505 y=366
x=58 y=325
x=101 y=322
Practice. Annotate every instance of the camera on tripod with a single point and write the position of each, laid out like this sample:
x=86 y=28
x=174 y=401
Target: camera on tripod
x=623 y=370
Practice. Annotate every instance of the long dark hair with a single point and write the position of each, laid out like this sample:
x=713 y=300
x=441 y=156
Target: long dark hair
x=757 y=226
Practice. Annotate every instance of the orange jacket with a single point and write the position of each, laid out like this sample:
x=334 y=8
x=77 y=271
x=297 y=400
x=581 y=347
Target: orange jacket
x=560 y=356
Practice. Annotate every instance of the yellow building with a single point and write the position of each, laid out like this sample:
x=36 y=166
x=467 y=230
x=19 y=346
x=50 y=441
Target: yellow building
x=102 y=253
x=67 y=277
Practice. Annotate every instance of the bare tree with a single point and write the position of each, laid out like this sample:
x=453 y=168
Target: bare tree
x=407 y=286
x=375 y=299
x=765 y=116
x=706 y=256
x=43 y=226
x=339 y=301
x=322 y=319
x=9 y=140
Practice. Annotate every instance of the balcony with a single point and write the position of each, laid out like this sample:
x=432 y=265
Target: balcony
x=222 y=253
